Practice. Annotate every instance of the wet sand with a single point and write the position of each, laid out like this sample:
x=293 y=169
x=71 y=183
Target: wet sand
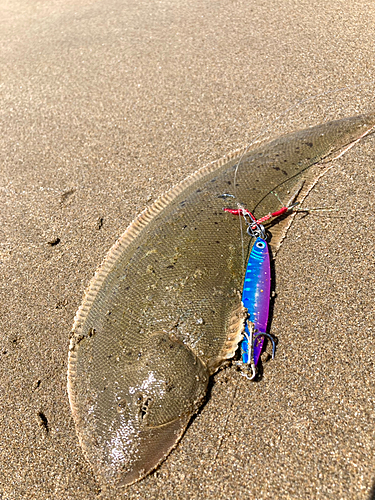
x=104 y=106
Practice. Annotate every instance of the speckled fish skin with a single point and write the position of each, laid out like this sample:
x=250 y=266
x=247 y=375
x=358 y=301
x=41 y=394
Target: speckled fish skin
x=164 y=309
x=256 y=295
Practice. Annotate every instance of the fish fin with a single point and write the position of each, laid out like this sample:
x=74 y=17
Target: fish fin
x=362 y=126
x=234 y=328
x=300 y=192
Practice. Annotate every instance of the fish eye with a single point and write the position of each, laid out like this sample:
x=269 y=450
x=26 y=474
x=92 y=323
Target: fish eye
x=260 y=244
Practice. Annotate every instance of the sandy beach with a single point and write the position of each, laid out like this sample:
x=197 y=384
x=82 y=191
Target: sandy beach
x=104 y=106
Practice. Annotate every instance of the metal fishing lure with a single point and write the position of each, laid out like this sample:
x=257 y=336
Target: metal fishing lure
x=256 y=292
x=256 y=298
x=256 y=289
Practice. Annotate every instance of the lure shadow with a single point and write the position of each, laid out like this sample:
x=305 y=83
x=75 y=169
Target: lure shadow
x=273 y=287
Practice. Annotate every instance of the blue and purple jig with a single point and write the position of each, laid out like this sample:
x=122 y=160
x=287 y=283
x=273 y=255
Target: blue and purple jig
x=256 y=291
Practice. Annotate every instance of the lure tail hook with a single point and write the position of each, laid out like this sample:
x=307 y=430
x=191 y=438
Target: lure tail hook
x=251 y=337
x=269 y=336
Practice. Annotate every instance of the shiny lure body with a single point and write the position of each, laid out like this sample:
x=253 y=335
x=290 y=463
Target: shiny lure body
x=256 y=298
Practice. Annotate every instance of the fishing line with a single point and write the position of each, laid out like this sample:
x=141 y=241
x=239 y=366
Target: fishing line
x=284 y=113
x=269 y=126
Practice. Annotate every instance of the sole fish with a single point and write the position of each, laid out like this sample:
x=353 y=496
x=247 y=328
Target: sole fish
x=164 y=311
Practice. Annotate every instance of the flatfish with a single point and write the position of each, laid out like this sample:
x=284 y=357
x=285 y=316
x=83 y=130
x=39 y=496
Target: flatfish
x=164 y=312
